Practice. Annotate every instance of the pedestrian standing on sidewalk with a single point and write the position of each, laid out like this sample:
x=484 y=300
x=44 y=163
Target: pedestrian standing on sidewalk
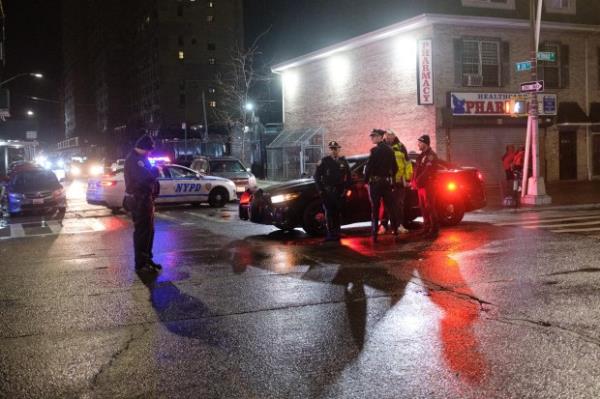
x=333 y=179
x=403 y=176
x=426 y=169
x=141 y=187
x=507 y=161
x=380 y=173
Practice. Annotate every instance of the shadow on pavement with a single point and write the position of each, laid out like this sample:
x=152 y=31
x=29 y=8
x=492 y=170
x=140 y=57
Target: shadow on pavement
x=180 y=313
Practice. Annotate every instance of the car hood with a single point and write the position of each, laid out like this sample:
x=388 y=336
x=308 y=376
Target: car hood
x=289 y=186
x=216 y=178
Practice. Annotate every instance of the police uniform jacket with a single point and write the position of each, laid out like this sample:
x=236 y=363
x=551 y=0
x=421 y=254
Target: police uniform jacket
x=333 y=173
x=139 y=179
x=382 y=162
x=426 y=168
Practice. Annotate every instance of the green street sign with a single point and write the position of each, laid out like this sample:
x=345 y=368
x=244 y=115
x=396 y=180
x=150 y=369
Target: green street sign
x=523 y=66
x=546 y=56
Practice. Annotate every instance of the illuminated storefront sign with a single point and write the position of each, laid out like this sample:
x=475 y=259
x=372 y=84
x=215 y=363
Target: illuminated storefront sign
x=499 y=104
x=424 y=73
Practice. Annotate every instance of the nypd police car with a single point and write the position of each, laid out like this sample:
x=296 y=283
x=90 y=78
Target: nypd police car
x=178 y=185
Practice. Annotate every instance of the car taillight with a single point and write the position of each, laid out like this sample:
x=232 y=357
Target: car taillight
x=451 y=186
x=348 y=193
x=109 y=183
x=245 y=198
x=479 y=176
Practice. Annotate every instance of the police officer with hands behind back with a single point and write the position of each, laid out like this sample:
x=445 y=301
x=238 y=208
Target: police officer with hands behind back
x=380 y=173
x=425 y=171
x=141 y=187
x=333 y=179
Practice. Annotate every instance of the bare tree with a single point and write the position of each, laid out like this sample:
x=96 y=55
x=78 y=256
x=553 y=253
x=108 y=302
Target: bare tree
x=241 y=73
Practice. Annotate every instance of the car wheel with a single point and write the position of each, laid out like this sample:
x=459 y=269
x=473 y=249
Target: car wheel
x=218 y=197
x=313 y=219
x=450 y=213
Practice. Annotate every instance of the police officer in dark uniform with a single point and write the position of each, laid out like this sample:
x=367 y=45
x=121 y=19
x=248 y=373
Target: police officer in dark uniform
x=380 y=173
x=425 y=172
x=333 y=179
x=141 y=187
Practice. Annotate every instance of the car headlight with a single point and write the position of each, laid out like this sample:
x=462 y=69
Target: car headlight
x=252 y=181
x=75 y=171
x=16 y=196
x=278 y=199
x=96 y=170
x=58 y=193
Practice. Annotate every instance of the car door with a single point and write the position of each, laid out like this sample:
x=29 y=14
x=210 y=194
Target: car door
x=186 y=185
x=358 y=206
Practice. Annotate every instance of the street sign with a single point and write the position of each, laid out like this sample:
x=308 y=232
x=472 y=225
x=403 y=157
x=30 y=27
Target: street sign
x=523 y=66
x=546 y=56
x=529 y=87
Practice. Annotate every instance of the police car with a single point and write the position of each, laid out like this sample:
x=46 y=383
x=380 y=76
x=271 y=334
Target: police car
x=178 y=185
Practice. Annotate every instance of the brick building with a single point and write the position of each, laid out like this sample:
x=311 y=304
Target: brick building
x=372 y=81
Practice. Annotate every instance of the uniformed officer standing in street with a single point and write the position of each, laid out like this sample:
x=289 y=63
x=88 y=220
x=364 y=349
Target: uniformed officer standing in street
x=333 y=179
x=141 y=188
x=380 y=173
x=425 y=171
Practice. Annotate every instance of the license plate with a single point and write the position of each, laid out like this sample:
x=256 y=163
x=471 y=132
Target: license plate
x=240 y=189
x=38 y=201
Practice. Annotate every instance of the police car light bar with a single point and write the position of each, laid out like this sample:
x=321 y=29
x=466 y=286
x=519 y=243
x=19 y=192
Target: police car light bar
x=155 y=160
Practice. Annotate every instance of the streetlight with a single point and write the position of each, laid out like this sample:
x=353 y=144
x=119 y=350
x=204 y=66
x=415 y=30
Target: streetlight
x=33 y=74
x=249 y=107
x=30 y=113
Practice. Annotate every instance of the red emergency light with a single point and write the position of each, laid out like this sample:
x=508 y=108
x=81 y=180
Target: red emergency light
x=451 y=186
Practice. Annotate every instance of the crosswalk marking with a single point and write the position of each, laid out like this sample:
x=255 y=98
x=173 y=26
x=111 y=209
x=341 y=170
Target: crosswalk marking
x=560 y=222
x=546 y=220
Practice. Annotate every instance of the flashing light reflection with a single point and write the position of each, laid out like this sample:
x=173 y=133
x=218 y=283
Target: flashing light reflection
x=290 y=82
x=406 y=52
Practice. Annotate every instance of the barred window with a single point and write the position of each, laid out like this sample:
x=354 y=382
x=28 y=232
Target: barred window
x=481 y=63
x=555 y=74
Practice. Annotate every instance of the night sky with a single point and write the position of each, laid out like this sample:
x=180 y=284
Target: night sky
x=33 y=45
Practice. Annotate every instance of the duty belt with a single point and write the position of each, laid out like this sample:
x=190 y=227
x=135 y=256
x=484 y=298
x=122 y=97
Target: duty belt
x=377 y=179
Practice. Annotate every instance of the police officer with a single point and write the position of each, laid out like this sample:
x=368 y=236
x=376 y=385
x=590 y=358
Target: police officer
x=380 y=173
x=333 y=179
x=141 y=188
x=403 y=176
x=425 y=171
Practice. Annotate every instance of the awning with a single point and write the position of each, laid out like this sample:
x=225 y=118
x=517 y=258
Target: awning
x=571 y=114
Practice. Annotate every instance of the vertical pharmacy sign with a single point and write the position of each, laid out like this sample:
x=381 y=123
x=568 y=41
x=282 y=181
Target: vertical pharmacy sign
x=424 y=72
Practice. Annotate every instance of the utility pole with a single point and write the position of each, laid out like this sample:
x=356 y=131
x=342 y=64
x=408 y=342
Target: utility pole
x=533 y=188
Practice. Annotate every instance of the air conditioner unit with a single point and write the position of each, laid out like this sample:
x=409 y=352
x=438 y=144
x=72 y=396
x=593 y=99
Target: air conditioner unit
x=472 y=80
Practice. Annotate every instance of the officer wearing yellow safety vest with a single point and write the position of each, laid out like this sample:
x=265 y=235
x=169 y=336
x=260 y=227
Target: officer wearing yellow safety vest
x=403 y=176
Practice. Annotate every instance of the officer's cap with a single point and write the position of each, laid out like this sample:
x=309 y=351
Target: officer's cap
x=145 y=143
x=425 y=139
x=377 y=132
x=334 y=144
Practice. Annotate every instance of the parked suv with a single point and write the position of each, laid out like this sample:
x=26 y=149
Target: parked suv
x=227 y=167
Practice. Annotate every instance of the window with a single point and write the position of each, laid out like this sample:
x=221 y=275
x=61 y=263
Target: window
x=212 y=90
x=211 y=47
x=211 y=4
x=501 y=4
x=560 y=6
x=180 y=40
x=194 y=41
x=211 y=61
x=210 y=19
x=181 y=100
x=480 y=64
x=212 y=104
x=180 y=173
x=555 y=74
x=181 y=55
x=180 y=10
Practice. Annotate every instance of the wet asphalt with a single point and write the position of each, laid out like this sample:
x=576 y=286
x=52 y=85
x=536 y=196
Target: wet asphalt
x=247 y=311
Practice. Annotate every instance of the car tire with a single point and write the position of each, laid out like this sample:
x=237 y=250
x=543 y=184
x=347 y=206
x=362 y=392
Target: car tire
x=218 y=197
x=450 y=213
x=313 y=219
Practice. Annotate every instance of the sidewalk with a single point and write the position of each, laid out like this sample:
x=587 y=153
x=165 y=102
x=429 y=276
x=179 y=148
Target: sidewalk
x=565 y=194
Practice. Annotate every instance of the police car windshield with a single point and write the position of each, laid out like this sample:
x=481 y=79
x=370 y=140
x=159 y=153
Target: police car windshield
x=226 y=167
x=35 y=180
